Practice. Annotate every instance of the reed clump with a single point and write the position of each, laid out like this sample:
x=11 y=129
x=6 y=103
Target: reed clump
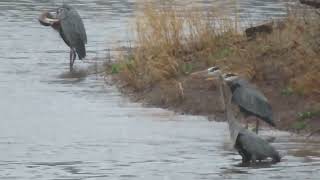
x=289 y=56
x=172 y=42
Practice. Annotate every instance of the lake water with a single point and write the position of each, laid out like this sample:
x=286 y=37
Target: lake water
x=55 y=127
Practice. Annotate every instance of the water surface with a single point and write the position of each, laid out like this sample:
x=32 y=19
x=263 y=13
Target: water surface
x=56 y=127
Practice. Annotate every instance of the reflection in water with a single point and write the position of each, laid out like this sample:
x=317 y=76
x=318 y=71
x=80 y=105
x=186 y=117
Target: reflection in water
x=75 y=74
x=61 y=125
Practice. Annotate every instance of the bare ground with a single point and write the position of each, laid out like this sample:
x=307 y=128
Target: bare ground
x=187 y=95
x=280 y=58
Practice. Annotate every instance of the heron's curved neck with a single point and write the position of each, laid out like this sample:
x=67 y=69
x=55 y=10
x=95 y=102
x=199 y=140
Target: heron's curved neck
x=234 y=126
x=226 y=99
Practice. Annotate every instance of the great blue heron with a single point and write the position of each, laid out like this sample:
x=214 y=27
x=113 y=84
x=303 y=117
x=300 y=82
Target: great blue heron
x=249 y=145
x=249 y=99
x=68 y=23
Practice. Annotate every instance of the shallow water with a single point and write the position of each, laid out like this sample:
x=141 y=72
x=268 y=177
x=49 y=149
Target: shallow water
x=57 y=126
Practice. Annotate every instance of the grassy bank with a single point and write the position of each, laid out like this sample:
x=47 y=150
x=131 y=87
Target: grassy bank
x=173 y=42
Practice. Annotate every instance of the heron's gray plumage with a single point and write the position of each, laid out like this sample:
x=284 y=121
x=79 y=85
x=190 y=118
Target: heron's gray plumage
x=249 y=145
x=72 y=29
x=69 y=24
x=251 y=100
x=256 y=147
x=244 y=140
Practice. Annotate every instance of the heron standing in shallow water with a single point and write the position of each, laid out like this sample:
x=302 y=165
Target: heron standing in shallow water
x=249 y=145
x=250 y=100
x=68 y=23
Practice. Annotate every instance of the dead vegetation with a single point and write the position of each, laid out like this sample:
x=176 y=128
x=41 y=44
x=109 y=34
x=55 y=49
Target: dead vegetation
x=172 y=42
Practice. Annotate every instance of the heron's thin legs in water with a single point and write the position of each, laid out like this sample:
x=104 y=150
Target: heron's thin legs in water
x=247 y=123
x=68 y=23
x=73 y=56
x=257 y=126
x=70 y=62
x=239 y=115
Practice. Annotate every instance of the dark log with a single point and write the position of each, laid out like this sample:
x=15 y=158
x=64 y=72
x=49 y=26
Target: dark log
x=313 y=3
x=252 y=32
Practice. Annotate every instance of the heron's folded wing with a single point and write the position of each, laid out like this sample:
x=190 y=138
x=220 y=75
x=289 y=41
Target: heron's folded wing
x=74 y=32
x=253 y=101
x=73 y=27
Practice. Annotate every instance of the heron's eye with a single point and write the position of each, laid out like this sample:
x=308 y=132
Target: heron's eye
x=229 y=75
x=212 y=69
x=60 y=10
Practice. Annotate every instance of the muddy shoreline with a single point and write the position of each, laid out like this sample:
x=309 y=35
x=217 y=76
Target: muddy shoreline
x=199 y=97
x=281 y=64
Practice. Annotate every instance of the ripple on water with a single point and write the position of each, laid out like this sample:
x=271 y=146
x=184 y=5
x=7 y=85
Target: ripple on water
x=60 y=163
x=71 y=126
x=75 y=74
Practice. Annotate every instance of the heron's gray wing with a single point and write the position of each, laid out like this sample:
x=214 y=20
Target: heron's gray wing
x=241 y=82
x=74 y=31
x=254 y=102
x=256 y=146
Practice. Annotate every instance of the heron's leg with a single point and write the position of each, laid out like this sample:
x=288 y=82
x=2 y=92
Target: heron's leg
x=246 y=120
x=254 y=158
x=241 y=116
x=257 y=126
x=245 y=159
x=276 y=159
x=72 y=57
x=247 y=123
x=70 y=60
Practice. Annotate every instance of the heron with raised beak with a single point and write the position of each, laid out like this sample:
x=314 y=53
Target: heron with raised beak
x=67 y=21
x=248 y=98
x=250 y=146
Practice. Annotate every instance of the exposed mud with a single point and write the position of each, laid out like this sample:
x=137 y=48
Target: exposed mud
x=188 y=95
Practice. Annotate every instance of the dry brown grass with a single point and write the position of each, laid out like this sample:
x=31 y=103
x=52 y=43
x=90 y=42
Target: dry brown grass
x=172 y=42
x=169 y=41
x=290 y=55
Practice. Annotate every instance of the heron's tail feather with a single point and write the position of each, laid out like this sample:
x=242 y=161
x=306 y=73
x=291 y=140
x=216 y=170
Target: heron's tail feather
x=271 y=122
x=276 y=158
x=81 y=50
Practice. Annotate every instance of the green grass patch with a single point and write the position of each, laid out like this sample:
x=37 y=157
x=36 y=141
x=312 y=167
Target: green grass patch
x=308 y=114
x=288 y=91
x=115 y=68
x=187 y=68
x=299 y=125
x=222 y=53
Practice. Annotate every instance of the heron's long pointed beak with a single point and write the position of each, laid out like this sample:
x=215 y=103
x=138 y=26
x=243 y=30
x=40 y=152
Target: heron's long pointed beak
x=200 y=74
x=211 y=78
x=48 y=18
x=203 y=75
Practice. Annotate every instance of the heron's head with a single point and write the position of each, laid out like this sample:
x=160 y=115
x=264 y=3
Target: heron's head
x=62 y=11
x=48 y=18
x=208 y=74
x=230 y=77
